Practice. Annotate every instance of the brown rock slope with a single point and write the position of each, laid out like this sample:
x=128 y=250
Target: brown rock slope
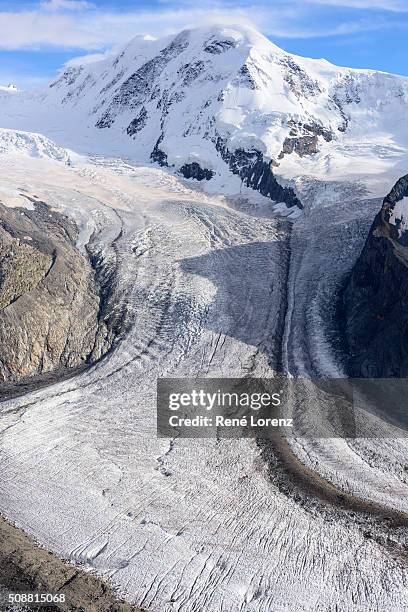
x=27 y=568
x=49 y=300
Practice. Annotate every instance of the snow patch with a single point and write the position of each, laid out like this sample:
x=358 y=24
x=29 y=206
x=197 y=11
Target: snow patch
x=399 y=216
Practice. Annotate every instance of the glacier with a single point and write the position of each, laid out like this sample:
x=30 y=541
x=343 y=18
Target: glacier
x=212 y=278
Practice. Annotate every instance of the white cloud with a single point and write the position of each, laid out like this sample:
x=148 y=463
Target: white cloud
x=65 y=5
x=96 y=33
x=33 y=30
x=395 y=6
x=89 y=58
x=96 y=30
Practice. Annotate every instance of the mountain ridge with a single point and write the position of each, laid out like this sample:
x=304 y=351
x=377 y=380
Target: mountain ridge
x=195 y=101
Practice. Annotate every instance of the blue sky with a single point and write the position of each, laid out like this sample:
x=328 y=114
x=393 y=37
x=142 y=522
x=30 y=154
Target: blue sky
x=39 y=36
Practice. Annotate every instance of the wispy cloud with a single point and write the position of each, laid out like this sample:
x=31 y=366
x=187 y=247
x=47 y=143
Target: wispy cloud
x=394 y=6
x=97 y=30
x=79 y=24
x=89 y=58
x=66 y=5
x=24 y=30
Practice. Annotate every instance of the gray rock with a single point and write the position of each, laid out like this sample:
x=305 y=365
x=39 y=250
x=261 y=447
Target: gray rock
x=195 y=171
x=376 y=299
x=257 y=173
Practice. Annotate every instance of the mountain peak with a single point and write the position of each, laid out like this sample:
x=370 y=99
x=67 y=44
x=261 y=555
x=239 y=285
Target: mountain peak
x=224 y=98
x=237 y=32
x=10 y=87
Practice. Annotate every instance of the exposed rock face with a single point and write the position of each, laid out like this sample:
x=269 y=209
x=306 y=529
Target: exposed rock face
x=26 y=567
x=138 y=123
x=254 y=171
x=195 y=171
x=303 y=138
x=22 y=268
x=157 y=155
x=257 y=174
x=49 y=301
x=180 y=94
x=245 y=78
x=215 y=46
x=376 y=297
x=302 y=145
x=300 y=83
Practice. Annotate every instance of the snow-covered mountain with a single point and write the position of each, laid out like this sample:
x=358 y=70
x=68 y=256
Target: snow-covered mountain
x=217 y=99
x=11 y=88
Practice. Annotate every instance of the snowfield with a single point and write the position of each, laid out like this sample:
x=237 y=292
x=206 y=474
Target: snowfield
x=211 y=280
x=399 y=215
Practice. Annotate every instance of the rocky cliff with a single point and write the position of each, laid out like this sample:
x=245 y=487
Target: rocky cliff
x=49 y=299
x=376 y=296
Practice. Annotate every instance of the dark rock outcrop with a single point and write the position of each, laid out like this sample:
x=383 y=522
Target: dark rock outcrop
x=157 y=155
x=298 y=81
x=195 y=171
x=256 y=173
x=245 y=78
x=303 y=138
x=376 y=298
x=138 y=123
x=50 y=305
x=215 y=46
x=69 y=76
x=190 y=72
x=26 y=567
x=302 y=145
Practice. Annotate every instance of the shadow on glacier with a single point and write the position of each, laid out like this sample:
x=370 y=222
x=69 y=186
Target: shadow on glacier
x=250 y=302
x=250 y=306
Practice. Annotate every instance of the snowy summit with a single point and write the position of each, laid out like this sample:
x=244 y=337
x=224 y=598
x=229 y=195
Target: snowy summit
x=213 y=101
x=10 y=87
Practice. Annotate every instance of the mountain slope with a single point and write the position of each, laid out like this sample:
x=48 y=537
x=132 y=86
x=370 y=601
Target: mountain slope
x=219 y=100
x=376 y=297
